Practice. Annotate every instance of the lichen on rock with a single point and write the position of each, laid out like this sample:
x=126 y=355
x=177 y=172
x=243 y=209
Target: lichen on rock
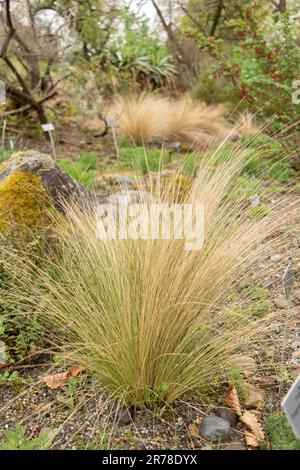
x=23 y=202
x=31 y=188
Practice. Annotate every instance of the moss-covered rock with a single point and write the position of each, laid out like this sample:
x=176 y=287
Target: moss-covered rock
x=31 y=185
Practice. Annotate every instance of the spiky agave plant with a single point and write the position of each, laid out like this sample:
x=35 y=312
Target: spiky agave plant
x=148 y=318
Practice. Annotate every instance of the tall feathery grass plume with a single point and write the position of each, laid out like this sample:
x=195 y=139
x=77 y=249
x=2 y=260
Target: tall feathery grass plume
x=148 y=318
x=157 y=119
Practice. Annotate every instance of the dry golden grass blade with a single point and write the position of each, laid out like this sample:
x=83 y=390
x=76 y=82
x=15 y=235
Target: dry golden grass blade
x=231 y=399
x=251 y=421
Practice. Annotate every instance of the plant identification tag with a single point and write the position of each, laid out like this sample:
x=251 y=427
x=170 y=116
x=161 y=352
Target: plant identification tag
x=2 y=353
x=48 y=127
x=291 y=407
x=2 y=92
x=288 y=280
x=111 y=122
x=255 y=200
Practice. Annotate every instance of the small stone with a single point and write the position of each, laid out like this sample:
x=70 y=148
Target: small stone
x=295 y=359
x=244 y=284
x=274 y=329
x=235 y=445
x=281 y=302
x=214 y=428
x=123 y=417
x=276 y=258
x=268 y=382
x=246 y=363
x=296 y=345
x=227 y=414
x=267 y=283
x=254 y=397
x=296 y=296
x=270 y=353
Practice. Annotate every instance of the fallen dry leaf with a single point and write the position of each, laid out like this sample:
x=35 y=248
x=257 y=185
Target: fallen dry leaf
x=231 y=399
x=250 y=420
x=43 y=407
x=194 y=431
x=59 y=380
x=76 y=370
x=251 y=439
x=54 y=381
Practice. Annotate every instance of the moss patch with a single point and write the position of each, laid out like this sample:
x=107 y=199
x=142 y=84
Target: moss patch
x=23 y=202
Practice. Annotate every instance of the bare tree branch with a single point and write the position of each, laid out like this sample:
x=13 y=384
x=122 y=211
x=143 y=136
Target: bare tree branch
x=216 y=18
x=11 y=31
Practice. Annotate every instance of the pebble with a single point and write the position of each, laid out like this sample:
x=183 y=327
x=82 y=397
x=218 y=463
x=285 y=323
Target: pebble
x=254 y=397
x=227 y=414
x=275 y=258
x=281 y=302
x=267 y=283
x=296 y=296
x=214 y=428
x=235 y=445
x=123 y=417
x=246 y=363
x=295 y=360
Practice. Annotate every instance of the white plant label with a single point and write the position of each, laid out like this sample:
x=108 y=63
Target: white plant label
x=255 y=200
x=111 y=122
x=2 y=92
x=2 y=353
x=11 y=144
x=296 y=94
x=48 y=127
x=291 y=407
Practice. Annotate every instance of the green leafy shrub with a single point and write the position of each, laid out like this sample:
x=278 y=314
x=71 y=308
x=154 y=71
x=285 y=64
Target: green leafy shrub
x=214 y=90
x=18 y=331
x=140 y=159
x=5 y=154
x=280 y=433
x=18 y=440
x=263 y=66
x=83 y=169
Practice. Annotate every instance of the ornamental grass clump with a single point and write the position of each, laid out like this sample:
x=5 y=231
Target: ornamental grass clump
x=149 y=319
x=158 y=119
